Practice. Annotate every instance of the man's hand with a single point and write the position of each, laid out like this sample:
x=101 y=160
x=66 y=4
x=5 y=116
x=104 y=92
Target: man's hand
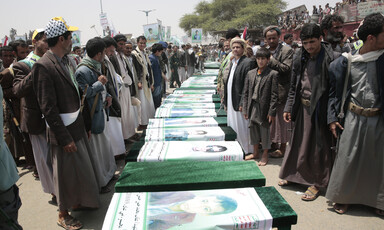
x=109 y=101
x=270 y=119
x=152 y=88
x=103 y=79
x=89 y=135
x=164 y=77
x=240 y=108
x=70 y=148
x=333 y=126
x=140 y=85
x=186 y=68
x=246 y=116
x=287 y=117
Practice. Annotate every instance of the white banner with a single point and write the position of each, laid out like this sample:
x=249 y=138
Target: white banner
x=195 y=151
x=181 y=122
x=186 y=134
x=239 y=208
x=184 y=112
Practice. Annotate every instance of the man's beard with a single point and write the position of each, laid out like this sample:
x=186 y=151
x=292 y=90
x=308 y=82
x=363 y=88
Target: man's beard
x=334 y=37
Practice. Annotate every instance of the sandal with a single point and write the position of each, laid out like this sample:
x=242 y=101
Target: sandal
x=36 y=175
x=276 y=154
x=340 y=208
x=311 y=194
x=283 y=183
x=379 y=212
x=70 y=223
x=53 y=201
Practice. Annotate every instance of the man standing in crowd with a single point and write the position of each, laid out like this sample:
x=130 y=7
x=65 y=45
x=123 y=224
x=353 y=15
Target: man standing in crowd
x=33 y=122
x=191 y=60
x=157 y=49
x=76 y=54
x=17 y=141
x=358 y=93
x=113 y=128
x=58 y=95
x=92 y=82
x=309 y=157
x=6 y=56
x=145 y=82
x=333 y=32
x=233 y=90
x=134 y=89
x=223 y=70
x=281 y=61
x=10 y=201
x=288 y=40
x=129 y=118
x=174 y=63
x=256 y=46
x=183 y=64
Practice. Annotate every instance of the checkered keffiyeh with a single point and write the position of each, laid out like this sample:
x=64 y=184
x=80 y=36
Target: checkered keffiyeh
x=55 y=28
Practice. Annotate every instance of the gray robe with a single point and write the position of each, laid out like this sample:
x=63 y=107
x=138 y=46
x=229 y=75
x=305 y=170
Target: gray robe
x=357 y=177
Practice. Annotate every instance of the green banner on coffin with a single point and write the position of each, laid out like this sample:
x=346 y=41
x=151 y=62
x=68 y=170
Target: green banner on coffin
x=188 y=175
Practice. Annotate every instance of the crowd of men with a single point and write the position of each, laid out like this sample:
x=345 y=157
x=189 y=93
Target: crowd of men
x=71 y=113
x=319 y=107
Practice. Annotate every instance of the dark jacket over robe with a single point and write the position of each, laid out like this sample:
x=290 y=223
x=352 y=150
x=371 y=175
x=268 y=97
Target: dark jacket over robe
x=319 y=85
x=243 y=66
x=337 y=77
x=57 y=94
x=32 y=121
x=281 y=61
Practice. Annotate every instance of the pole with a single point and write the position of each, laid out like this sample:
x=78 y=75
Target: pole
x=101 y=5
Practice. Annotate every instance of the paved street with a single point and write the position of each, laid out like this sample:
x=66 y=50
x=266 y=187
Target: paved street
x=37 y=214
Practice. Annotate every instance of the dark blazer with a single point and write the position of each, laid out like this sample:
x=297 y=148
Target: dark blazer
x=243 y=66
x=32 y=121
x=267 y=92
x=115 y=108
x=319 y=85
x=57 y=94
x=6 y=82
x=281 y=61
x=116 y=65
x=337 y=72
x=139 y=68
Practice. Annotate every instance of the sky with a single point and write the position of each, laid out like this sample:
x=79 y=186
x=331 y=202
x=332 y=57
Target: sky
x=25 y=15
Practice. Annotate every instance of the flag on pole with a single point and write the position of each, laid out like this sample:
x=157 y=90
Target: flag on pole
x=5 y=43
x=244 y=35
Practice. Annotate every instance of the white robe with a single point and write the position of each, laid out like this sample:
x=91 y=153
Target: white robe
x=129 y=120
x=147 y=105
x=113 y=130
x=235 y=119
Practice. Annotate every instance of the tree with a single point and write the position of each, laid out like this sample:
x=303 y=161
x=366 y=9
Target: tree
x=220 y=15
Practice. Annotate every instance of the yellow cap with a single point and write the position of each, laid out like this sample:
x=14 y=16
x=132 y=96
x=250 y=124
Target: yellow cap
x=36 y=32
